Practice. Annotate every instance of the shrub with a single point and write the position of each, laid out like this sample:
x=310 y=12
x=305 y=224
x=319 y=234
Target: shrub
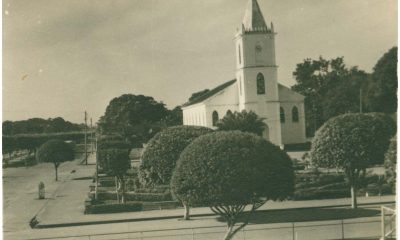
x=163 y=150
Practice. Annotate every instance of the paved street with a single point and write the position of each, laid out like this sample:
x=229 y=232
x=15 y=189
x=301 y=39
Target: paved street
x=20 y=191
x=64 y=204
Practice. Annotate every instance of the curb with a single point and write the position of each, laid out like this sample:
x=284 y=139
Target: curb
x=72 y=224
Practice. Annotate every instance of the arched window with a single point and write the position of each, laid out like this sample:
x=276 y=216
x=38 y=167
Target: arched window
x=229 y=112
x=282 y=115
x=214 y=118
x=240 y=85
x=260 y=84
x=295 y=114
x=239 y=55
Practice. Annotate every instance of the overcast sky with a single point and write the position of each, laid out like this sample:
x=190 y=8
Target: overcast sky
x=66 y=56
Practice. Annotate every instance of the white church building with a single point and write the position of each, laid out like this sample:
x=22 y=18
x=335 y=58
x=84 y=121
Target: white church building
x=256 y=87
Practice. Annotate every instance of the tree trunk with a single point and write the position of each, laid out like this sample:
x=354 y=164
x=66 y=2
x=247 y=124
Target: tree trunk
x=122 y=190
x=229 y=233
x=186 y=216
x=56 y=167
x=353 y=197
x=116 y=188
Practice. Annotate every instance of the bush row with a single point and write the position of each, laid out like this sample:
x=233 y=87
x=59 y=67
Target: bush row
x=155 y=189
x=145 y=197
x=113 y=207
x=314 y=194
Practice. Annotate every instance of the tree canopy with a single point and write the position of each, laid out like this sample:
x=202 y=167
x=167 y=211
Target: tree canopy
x=352 y=142
x=162 y=152
x=228 y=170
x=56 y=152
x=382 y=85
x=137 y=117
x=243 y=121
x=330 y=89
x=39 y=125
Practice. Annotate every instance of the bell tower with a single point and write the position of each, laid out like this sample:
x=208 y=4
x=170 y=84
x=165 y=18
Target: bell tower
x=256 y=69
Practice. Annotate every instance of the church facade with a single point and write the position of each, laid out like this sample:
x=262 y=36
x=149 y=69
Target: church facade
x=255 y=88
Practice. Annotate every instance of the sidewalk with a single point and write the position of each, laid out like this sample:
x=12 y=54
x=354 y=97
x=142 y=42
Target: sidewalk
x=68 y=211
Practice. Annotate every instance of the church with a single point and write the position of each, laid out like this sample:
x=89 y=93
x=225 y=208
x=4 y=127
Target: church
x=255 y=88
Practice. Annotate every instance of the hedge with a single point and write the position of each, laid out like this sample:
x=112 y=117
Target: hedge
x=313 y=194
x=113 y=207
x=145 y=197
x=155 y=189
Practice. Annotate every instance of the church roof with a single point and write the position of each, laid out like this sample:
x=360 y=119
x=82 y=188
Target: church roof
x=288 y=95
x=253 y=17
x=210 y=93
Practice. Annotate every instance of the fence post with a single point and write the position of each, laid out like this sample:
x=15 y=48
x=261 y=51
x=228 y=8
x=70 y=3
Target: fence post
x=342 y=228
x=383 y=223
x=294 y=234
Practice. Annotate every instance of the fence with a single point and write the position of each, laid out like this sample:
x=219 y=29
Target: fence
x=326 y=230
x=388 y=223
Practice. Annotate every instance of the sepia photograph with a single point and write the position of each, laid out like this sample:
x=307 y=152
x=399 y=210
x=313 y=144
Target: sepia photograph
x=199 y=119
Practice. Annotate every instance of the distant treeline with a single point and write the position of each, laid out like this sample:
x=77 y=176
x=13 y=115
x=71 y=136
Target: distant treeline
x=32 y=142
x=40 y=126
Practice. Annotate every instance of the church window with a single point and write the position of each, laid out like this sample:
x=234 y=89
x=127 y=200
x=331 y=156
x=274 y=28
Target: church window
x=260 y=84
x=239 y=54
x=240 y=86
x=282 y=115
x=214 y=118
x=295 y=114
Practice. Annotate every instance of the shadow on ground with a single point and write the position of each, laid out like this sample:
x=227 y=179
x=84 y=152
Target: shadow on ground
x=305 y=215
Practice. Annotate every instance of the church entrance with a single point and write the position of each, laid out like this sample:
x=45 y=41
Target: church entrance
x=266 y=132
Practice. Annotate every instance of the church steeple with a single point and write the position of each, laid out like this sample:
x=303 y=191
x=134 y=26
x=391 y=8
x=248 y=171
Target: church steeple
x=253 y=18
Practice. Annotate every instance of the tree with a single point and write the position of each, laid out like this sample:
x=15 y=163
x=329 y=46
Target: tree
x=132 y=116
x=243 y=121
x=119 y=163
x=351 y=142
x=174 y=117
x=330 y=89
x=382 y=86
x=56 y=152
x=227 y=171
x=113 y=157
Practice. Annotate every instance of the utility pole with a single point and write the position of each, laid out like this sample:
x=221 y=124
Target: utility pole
x=86 y=138
x=91 y=137
x=361 y=110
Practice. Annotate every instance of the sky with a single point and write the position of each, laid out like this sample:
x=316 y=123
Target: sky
x=63 y=57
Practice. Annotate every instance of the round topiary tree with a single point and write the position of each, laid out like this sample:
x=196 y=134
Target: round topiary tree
x=352 y=142
x=228 y=170
x=56 y=152
x=163 y=150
